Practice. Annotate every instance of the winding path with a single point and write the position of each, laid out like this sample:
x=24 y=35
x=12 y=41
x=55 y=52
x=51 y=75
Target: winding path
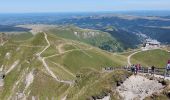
x=129 y=57
x=63 y=52
x=42 y=59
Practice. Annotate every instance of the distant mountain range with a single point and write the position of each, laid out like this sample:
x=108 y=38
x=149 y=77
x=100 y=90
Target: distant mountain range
x=129 y=29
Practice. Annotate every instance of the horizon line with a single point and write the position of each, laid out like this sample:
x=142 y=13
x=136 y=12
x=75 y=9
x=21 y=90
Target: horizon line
x=83 y=11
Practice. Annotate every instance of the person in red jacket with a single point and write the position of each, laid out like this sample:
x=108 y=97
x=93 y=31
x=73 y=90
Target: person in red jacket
x=168 y=61
x=137 y=67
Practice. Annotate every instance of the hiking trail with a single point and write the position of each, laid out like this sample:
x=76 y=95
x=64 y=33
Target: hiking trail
x=129 y=57
x=42 y=59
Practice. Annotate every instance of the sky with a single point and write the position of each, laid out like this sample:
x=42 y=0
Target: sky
x=26 y=6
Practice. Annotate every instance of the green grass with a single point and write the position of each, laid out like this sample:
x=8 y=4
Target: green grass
x=157 y=58
x=45 y=87
x=50 y=51
x=62 y=74
x=11 y=79
x=95 y=84
x=127 y=53
x=76 y=60
x=38 y=40
x=21 y=36
x=99 y=39
x=68 y=47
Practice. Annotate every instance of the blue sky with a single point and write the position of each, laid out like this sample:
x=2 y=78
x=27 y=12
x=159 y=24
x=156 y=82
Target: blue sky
x=17 y=6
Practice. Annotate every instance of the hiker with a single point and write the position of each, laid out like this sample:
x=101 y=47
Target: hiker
x=136 y=68
x=140 y=67
x=133 y=68
x=152 y=70
x=168 y=68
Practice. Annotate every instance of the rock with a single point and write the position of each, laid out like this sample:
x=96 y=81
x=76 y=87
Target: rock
x=138 y=87
x=118 y=83
x=1 y=82
x=168 y=94
x=162 y=81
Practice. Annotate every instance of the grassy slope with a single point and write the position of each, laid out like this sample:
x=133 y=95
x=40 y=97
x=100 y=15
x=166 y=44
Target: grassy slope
x=21 y=53
x=86 y=58
x=44 y=85
x=102 y=40
x=157 y=58
x=96 y=84
x=21 y=36
x=82 y=59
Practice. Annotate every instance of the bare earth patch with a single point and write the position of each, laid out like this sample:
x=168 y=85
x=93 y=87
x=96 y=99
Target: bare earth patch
x=138 y=87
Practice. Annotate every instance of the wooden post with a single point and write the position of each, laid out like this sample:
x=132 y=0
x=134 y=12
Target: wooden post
x=165 y=73
x=148 y=70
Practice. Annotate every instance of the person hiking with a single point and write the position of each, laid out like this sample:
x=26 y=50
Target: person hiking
x=168 y=68
x=136 y=68
x=140 y=67
x=152 y=70
x=133 y=68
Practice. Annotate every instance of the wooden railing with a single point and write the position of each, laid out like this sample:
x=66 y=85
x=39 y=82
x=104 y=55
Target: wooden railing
x=157 y=71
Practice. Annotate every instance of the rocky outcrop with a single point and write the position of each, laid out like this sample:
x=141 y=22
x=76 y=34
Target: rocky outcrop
x=138 y=87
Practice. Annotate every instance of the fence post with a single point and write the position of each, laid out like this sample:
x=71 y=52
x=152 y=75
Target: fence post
x=164 y=73
x=148 y=70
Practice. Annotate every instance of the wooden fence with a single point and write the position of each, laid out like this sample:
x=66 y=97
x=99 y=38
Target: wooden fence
x=157 y=71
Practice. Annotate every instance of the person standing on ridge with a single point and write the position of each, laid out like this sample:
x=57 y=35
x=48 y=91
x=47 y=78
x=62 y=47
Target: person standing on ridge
x=152 y=70
x=133 y=69
x=167 y=68
x=137 y=68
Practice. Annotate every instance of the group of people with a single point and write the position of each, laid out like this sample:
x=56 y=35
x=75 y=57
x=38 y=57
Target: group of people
x=135 y=69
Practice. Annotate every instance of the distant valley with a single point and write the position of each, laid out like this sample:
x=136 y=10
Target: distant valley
x=128 y=30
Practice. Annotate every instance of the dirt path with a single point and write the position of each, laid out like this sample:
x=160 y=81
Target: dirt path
x=42 y=59
x=128 y=52
x=83 y=51
x=138 y=87
x=48 y=44
x=29 y=46
x=165 y=49
x=58 y=65
x=59 y=47
x=129 y=57
x=12 y=67
x=68 y=52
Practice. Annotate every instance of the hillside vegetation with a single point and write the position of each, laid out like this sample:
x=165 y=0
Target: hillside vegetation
x=47 y=66
x=96 y=38
x=157 y=58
